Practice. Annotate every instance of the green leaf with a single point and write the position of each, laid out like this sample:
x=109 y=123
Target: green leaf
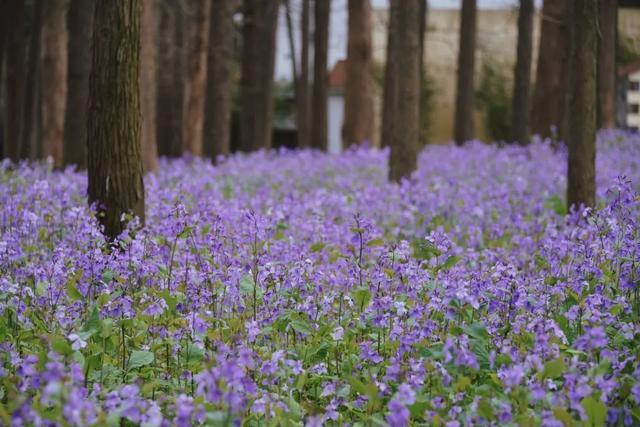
x=316 y=247
x=140 y=358
x=450 y=262
x=301 y=326
x=554 y=368
x=246 y=286
x=362 y=297
x=93 y=321
x=564 y=416
x=61 y=345
x=476 y=330
x=596 y=411
x=72 y=291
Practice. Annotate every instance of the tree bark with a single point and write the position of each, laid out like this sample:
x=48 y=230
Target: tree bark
x=422 y=19
x=550 y=92
x=54 y=79
x=463 y=130
x=303 y=102
x=358 y=95
x=522 y=74
x=406 y=132
x=390 y=95
x=197 y=32
x=14 y=78
x=148 y=86
x=31 y=125
x=169 y=78
x=320 y=75
x=260 y=22
x=80 y=23
x=217 y=131
x=113 y=132
x=608 y=26
x=581 y=179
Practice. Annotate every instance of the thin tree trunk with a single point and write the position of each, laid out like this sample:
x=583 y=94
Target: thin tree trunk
x=113 y=132
x=294 y=65
x=196 y=61
x=169 y=78
x=608 y=26
x=390 y=95
x=463 y=130
x=422 y=19
x=522 y=74
x=581 y=180
x=217 y=131
x=303 y=82
x=80 y=23
x=14 y=78
x=148 y=86
x=550 y=92
x=260 y=22
x=54 y=79
x=31 y=144
x=320 y=75
x=406 y=133
x=358 y=95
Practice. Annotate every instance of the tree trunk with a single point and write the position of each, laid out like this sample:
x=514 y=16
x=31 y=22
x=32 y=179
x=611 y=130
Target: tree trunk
x=14 y=78
x=608 y=26
x=54 y=79
x=303 y=102
x=80 y=23
x=550 y=93
x=422 y=19
x=390 y=95
x=522 y=74
x=358 y=95
x=260 y=22
x=406 y=132
x=113 y=131
x=294 y=64
x=320 y=75
x=581 y=180
x=148 y=86
x=217 y=132
x=197 y=32
x=31 y=138
x=463 y=130
x=169 y=78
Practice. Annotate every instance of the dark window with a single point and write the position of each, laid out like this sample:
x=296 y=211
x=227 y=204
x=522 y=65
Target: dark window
x=634 y=86
x=634 y=108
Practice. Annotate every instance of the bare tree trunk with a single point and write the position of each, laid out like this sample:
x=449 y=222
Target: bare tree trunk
x=463 y=130
x=320 y=75
x=14 y=79
x=294 y=64
x=54 y=79
x=422 y=19
x=197 y=39
x=80 y=23
x=217 y=132
x=406 y=133
x=31 y=144
x=608 y=26
x=148 y=86
x=169 y=78
x=522 y=74
x=113 y=131
x=256 y=86
x=303 y=104
x=390 y=95
x=581 y=179
x=358 y=91
x=550 y=92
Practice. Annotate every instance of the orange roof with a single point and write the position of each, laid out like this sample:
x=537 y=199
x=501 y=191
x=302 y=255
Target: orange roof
x=337 y=76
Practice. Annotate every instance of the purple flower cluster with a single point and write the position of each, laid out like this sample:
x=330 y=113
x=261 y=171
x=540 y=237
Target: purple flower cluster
x=304 y=288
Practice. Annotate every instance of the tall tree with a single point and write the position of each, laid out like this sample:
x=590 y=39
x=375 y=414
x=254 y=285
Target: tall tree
x=15 y=53
x=217 y=130
x=303 y=105
x=113 y=128
x=550 y=92
x=320 y=76
x=148 y=86
x=260 y=21
x=31 y=124
x=406 y=132
x=581 y=179
x=197 y=32
x=358 y=95
x=169 y=78
x=79 y=24
x=522 y=74
x=390 y=92
x=608 y=29
x=54 y=79
x=463 y=127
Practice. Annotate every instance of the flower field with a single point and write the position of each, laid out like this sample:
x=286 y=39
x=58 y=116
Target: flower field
x=300 y=288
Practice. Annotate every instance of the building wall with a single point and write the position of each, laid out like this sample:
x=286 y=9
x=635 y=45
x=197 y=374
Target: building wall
x=633 y=101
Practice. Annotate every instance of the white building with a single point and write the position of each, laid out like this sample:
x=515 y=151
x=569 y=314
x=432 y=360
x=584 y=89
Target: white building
x=629 y=96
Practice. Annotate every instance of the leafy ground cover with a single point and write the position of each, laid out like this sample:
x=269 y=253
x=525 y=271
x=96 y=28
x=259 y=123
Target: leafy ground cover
x=302 y=288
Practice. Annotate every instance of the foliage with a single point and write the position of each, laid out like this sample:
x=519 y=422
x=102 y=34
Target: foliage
x=626 y=52
x=300 y=288
x=493 y=97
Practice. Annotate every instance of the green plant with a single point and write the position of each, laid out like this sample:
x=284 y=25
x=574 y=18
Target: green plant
x=493 y=97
